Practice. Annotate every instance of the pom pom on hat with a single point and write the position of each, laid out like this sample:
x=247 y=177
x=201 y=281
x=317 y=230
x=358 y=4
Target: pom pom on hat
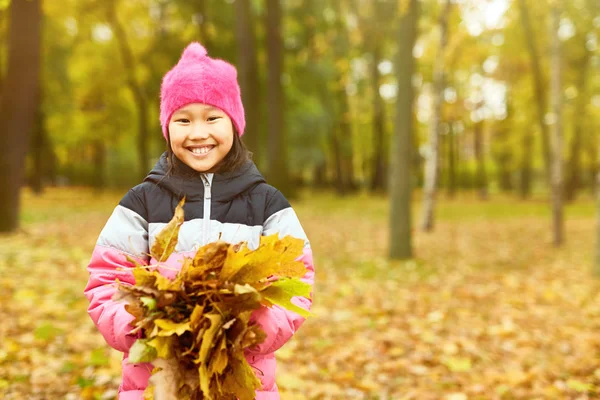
x=195 y=51
x=197 y=78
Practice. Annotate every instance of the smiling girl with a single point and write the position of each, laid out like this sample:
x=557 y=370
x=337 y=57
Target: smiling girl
x=227 y=198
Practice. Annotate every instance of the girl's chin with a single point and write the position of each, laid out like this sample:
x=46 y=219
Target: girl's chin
x=201 y=166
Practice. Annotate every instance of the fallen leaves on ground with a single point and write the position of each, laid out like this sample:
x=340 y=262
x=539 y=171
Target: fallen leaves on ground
x=487 y=310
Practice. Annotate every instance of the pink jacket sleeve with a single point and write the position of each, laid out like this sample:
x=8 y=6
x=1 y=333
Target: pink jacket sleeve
x=124 y=233
x=278 y=323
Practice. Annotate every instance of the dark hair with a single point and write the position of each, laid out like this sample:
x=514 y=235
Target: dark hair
x=237 y=156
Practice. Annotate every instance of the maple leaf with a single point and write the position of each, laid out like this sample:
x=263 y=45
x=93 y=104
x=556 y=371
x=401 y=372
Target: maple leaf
x=168 y=327
x=272 y=257
x=242 y=382
x=166 y=240
x=282 y=291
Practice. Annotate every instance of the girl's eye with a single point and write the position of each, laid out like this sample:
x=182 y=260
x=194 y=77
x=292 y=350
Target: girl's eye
x=213 y=118
x=183 y=120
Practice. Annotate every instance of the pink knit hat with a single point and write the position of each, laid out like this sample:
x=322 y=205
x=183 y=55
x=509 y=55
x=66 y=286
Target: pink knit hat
x=197 y=78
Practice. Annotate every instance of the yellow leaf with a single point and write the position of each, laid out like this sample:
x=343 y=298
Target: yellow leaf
x=208 y=337
x=273 y=257
x=219 y=360
x=163 y=345
x=196 y=317
x=168 y=327
x=166 y=240
x=204 y=381
x=210 y=256
x=236 y=260
x=242 y=382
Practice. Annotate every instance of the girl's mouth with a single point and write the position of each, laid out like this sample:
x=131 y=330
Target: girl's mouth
x=201 y=150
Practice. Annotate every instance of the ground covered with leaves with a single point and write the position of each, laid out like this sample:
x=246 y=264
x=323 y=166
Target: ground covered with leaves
x=487 y=310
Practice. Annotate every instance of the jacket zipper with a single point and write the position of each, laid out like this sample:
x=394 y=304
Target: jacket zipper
x=207 y=196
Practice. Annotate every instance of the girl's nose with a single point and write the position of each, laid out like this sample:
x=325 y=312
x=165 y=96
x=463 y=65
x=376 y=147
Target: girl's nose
x=199 y=131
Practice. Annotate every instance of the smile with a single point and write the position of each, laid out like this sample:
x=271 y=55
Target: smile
x=201 y=150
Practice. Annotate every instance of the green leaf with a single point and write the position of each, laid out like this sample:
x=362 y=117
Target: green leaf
x=99 y=358
x=458 y=364
x=149 y=302
x=579 y=386
x=47 y=331
x=166 y=240
x=282 y=291
x=141 y=352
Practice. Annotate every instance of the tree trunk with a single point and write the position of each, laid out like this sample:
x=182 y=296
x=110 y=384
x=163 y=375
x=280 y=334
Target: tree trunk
x=343 y=143
x=401 y=149
x=597 y=266
x=481 y=176
x=278 y=171
x=320 y=175
x=526 y=168
x=249 y=79
x=18 y=104
x=557 y=134
x=2 y=50
x=433 y=157
x=378 y=181
x=503 y=154
x=345 y=182
x=39 y=148
x=539 y=91
x=573 y=181
x=99 y=149
x=452 y=160
x=136 y=88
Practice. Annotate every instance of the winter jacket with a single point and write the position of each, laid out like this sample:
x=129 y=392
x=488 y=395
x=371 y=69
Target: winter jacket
x=234 y=206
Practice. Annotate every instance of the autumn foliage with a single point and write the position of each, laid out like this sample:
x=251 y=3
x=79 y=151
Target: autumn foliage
x=197 y=326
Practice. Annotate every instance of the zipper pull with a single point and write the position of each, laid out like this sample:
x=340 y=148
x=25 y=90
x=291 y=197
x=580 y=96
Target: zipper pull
x=206 y=187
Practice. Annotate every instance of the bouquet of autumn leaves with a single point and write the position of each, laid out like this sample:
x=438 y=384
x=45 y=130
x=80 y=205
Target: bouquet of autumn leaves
x=196 y=326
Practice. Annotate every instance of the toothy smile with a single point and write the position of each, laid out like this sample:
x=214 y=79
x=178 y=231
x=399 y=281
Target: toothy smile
x=200 y=150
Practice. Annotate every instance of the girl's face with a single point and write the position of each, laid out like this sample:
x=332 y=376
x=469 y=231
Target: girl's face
x=200 y=135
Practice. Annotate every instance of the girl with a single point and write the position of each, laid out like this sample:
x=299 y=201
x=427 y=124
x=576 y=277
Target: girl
x=202 y=120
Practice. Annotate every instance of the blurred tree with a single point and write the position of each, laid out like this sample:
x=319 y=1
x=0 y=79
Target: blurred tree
x=432 y=168
x=402 y=143
x=538 y=80
x=375 y=22
x=481 y=181
x=278 y=174
x=579 y=60
x=502 y=151
x=248 y=73
x=341 y=136
x=557 y=125
x=19 y=102
x=136 y=88
x=597 y=265
x=41 y=150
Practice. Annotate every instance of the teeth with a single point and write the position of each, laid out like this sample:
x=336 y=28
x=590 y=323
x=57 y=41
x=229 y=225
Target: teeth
x=201 y=150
